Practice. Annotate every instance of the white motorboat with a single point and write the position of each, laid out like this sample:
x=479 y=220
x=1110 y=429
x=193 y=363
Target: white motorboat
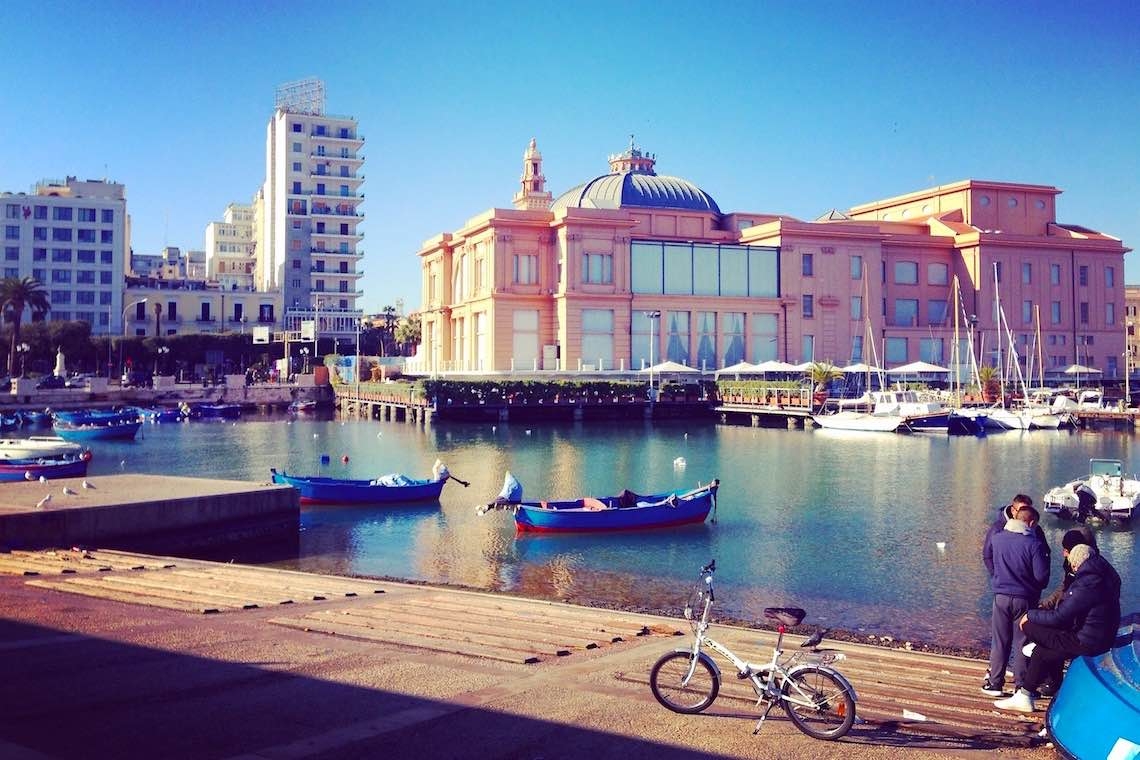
x=1104 y=494
x=38 y=447
x=891 y=411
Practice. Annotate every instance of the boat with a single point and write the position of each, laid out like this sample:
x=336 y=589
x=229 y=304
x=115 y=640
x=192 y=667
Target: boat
x=303 y=407
x=219 y=411
x=626 y=511
x=891 y=411
x=97 y=430
x=35 y=418
x=1104 y=494
x=38 y=447
x=392 y=488
x=1094 y=712
x=49 y=469
x=159 y=414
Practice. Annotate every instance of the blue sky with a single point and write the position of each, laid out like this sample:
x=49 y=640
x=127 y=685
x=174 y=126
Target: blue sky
x=790 y=108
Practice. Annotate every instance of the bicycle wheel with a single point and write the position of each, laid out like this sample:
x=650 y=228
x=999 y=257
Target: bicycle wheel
x=665 y=681
x=832 y=710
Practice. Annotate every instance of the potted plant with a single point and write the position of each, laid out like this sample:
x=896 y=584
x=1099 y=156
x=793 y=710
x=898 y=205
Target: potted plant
x=821 y=374
x=990 y=379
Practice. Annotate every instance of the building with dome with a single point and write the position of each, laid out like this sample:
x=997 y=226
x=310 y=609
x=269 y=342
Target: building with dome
x=634 y=267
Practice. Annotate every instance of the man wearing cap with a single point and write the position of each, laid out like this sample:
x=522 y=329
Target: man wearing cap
x=1019 y=562
x=1083 y=623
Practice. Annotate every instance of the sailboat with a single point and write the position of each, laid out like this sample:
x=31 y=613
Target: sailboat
x=962 y=421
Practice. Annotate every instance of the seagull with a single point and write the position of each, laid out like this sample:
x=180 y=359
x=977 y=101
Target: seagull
x=88 y=484
x=43 y=479
x=941 y=545
x=43 y=502
x=28 y=475
x=69 y=492
x=123 y=465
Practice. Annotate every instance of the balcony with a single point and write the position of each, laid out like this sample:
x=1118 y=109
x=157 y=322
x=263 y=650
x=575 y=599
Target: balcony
x=327 y=158
x=341 y=254
x=318 y=211
x=355 y=237
x=355 y=178
x=328 y=193
x=332 y=273
x=356 y=141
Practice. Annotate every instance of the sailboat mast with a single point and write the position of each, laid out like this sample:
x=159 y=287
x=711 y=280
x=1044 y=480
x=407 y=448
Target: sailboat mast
x=1000 y=366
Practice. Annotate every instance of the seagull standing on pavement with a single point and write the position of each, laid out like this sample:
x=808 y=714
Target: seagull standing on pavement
x=88 y=484
x=69 y=492
x=43 y=502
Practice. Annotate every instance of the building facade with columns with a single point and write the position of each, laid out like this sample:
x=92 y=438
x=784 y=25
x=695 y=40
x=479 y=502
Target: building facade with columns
x=632 y=267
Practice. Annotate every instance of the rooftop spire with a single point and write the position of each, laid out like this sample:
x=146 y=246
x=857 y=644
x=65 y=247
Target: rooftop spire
x=633 y=160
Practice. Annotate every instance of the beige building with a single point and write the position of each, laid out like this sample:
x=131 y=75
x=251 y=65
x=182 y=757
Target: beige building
x=231 y=249
x=160 y=307
x=632 y=267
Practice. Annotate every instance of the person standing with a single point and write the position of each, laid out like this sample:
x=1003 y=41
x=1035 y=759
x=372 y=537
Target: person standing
x=1019 y=558
x=1005 y=514
x=1083 y=623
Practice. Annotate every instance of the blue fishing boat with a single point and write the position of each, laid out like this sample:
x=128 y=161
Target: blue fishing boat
x=49 y=469
x=384 y=489
x=36 y=418
x=1096 y=712
x=97 y=430
x=158 y=414
x=626 y=511
x=219 y=411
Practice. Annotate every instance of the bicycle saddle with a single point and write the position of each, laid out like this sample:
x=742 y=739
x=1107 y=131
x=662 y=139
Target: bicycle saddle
x=785 y=615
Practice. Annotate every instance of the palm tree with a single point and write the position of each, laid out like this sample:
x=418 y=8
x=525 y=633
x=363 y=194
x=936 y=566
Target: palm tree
x=16 y=294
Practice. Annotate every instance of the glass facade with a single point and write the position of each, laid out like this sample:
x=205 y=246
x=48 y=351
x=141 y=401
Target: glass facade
x=704 y=269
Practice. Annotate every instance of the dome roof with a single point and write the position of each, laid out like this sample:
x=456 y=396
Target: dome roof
x=633 y=182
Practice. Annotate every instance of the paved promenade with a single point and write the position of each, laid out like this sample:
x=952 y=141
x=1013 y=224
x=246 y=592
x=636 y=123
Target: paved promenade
x=115 y=655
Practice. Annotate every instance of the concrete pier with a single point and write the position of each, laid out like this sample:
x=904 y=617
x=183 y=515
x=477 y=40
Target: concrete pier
x=118 y=655
x=123 y=510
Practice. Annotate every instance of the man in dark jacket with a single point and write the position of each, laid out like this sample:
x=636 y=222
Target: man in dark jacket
x=1005 y=514
x=1020 y=561
x=1084 y=623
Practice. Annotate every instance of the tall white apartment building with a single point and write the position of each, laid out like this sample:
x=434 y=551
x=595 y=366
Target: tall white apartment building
x=310 y=212
x=74 y=237
x=230 y=249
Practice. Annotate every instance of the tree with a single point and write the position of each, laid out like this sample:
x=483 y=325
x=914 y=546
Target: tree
x=15 y=295
x=408 y=333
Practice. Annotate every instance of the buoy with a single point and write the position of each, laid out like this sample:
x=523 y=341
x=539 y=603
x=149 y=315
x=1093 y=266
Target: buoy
x=679 y=463
x=86 y=455
x=344 y=459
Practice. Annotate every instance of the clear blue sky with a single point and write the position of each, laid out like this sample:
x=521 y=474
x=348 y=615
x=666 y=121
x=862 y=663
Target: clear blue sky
x=790 y=108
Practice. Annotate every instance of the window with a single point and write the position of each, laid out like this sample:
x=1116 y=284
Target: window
x=11 y=232
x=706 y=339
x=937 y=273
x=856 y=307
x=61 y=254
x=296 y=166
x=1109 y=277
x=598 y=337
x=85 y=297
x=598 y=268
x=297 y=262
x=1026 y=312
x=61 y=213
x=906 y=312
x=1110 y=313
x=1026 y=273
x=344 y=171
x=807 y=348
x=808 y=264
x=108 y=216
x=296 y=127
x=106 y=257
x=1084 y=312
x=106 y=237
x=526 y=269
x=40 y=212
x=61 y=234
x=61 y=275
x=39 y=254
x=104 y=278
x=296 y=188
x=12 y=211
x=936 y=313
x=85 y=276
x=808 y=307
x=105 y=297
x=11 y=253
x=1054 y=274
x=86 y=214
x=60 y=296
x=906 y=273
x=85 y=257
x=319 y=285
x=39 y=274
x=86 y=236
x=38 y=233
x=1083 y=276
x=11 y=271
x=930 y=350
x=895 y=351
x=296 y=147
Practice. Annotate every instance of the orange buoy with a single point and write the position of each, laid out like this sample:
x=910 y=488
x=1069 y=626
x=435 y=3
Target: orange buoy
x=86 y=455
x=344 y=459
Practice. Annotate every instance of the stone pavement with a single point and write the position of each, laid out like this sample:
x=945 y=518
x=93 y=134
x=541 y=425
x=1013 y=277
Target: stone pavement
x=115 y=655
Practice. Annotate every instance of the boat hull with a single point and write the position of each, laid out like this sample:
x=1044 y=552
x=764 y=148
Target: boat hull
x=14 y=470
x=1094 y=712
x=860 y=421
x=604 y=515
x=38 y=447
x=322 y=490
x=98 y=432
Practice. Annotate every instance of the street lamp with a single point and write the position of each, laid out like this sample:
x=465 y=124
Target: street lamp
x=161 y=352
x=23 y=349
x=653 y=316
x=132 y=303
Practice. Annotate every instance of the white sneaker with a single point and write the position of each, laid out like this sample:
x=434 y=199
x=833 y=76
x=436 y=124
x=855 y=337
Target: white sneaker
x=1019 y=702
x=1027 y=650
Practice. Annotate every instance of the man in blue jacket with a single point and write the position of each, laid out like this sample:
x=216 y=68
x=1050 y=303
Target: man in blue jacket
x=1020 y=572
x=1083 y=623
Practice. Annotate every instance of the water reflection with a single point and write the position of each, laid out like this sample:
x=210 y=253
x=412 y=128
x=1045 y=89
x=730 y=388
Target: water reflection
x=847 y=526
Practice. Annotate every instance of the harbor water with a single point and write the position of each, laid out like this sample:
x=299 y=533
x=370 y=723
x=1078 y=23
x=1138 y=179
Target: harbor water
x=879 y=534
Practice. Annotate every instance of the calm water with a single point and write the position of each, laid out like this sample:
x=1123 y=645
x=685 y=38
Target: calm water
x=844 y=525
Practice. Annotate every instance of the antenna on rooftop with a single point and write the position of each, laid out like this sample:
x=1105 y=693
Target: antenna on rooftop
x=303 y=96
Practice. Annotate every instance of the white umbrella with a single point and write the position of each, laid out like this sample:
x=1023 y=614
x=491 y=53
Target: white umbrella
x=860 y=368
x=740 y=368
x=1080 y=369
x=773 y=366
x=802 y=367
x=667 y=367
x=916 y=367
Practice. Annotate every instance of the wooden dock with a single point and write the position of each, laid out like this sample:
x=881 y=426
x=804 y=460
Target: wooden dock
x=378 y=641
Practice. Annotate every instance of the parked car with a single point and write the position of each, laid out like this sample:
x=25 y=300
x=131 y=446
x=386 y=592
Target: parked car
x=51 y=382
x=137 y=378
x=78 y=380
